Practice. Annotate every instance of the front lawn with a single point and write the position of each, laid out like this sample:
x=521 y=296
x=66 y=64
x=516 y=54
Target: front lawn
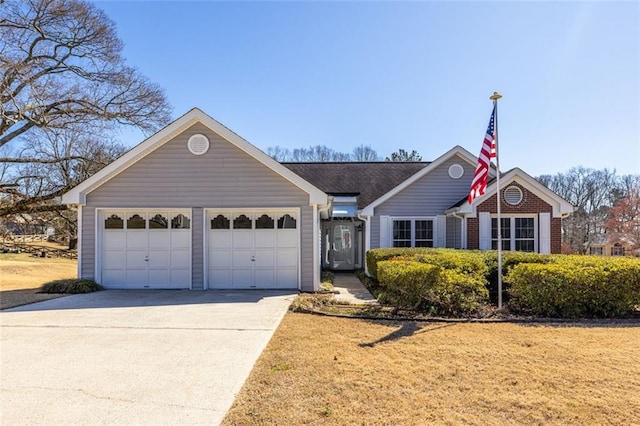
x=325 y=370
x=22 y=275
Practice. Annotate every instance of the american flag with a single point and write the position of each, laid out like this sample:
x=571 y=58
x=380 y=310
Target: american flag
x=488 y=151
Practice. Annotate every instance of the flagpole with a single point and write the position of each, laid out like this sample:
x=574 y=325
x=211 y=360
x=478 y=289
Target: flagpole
x=495 y=98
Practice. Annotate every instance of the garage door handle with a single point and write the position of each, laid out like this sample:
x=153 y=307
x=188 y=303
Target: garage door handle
x=253 y=258
x=146 y=258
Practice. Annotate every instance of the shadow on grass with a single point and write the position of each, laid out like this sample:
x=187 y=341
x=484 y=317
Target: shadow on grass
x=407 y=329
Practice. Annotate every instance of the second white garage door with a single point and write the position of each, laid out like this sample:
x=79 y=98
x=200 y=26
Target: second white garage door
x=253 y=249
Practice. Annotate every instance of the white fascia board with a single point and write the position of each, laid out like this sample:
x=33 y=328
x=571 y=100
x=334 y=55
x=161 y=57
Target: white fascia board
x=77 y=195
x=456 y=150
x=560 y=206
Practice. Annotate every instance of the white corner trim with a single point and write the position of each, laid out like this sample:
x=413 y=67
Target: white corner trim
x=456 y=150
x=75 y=195
x=79 y=242
x=316 y=253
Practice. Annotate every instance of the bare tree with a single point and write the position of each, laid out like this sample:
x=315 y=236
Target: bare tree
x=60 y=64
x=592 y=192
x=364 y=153
x=64 y=86
x=402 y=155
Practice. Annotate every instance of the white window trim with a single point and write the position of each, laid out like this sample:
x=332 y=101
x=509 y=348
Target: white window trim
x=512 y=218
x=413 y=228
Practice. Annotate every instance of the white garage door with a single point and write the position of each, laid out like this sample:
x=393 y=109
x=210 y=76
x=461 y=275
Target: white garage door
x=253 y=249
x=146 y=249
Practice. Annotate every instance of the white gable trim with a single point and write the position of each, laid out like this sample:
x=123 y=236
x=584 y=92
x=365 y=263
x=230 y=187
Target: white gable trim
x=78 y=194
x=561 y=207
x=456 y=150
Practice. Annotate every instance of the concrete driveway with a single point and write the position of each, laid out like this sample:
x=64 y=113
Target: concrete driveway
x=133 y=357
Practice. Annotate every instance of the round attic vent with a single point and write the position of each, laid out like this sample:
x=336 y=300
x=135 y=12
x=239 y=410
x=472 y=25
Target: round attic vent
x=198 y=144
x=456 y=171
x=513 y=195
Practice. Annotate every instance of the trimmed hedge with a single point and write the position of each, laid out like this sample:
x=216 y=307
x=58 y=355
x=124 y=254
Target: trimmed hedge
x=406 y=283
x=411 y=284
x=549 y=285
x=576 y=287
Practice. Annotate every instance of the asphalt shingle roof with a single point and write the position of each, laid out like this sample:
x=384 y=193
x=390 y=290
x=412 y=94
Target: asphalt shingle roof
x=368 y=180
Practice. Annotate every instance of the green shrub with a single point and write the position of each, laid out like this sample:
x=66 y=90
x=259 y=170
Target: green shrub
x=457 y=293
x=576 y=287
x=412 y=284
x=378 y=255
x=406 y=283
x=70 y=286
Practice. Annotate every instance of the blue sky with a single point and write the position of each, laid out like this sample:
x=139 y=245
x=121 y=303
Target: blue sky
x=412 y=75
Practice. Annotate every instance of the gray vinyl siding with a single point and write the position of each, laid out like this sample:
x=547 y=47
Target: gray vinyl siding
x=430 y=195
x=197 y=249
x=224 y=177
x=88 y=242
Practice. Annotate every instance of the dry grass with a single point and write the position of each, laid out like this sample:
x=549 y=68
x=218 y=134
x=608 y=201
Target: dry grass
x=323 y=370
x=22 y=276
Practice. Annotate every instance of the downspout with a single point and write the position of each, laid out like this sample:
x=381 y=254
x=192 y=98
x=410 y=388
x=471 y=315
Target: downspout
x=463 y=230
x=367 y=240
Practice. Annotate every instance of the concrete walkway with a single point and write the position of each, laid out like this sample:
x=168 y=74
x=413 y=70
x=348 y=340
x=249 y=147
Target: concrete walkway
x=351 y=289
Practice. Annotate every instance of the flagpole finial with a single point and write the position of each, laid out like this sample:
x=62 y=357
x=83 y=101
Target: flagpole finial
x=495 y=96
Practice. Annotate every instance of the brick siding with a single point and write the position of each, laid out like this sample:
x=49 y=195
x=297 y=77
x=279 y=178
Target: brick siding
x=530 y=204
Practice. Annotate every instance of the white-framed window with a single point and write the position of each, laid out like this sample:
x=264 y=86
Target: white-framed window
x=519 y=233
x=595 y=251
x=617 y=250
x=412 y=232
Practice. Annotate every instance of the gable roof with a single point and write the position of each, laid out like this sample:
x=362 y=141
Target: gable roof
x=77 y=195
x=561 y=207
x=368 y=180
x=455 y=151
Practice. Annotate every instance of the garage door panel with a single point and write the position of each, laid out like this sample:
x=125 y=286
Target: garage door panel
x=159 y=239
x=113 y=259
x=136 y=239
x=265 y=239
x=287 y=277
x=180 y=259
x=114 y=239
x=220 y=278
x=220 y=239
x=159 y=259
x=112 y=278
x=136 y=278
x=136 y=259
x=265 y=278
x=287 y=258
x=242 y=278
x=181 y=239
x=242 y=259
x=287 y=238
x=159 y=278
x=220 y=259
x=264 y=258
x=180 y=278
x=242 y=239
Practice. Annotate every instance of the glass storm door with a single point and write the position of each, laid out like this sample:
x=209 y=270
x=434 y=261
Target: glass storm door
x=343 y=246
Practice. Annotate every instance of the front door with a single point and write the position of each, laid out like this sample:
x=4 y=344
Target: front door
x=343 y=246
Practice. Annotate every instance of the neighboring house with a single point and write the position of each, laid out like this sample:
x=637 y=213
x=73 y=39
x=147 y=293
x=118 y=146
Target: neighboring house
x=606 y=245
x=196 y=206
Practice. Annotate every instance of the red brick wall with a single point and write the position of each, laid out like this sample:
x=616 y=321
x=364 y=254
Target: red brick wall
x=530 y=204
